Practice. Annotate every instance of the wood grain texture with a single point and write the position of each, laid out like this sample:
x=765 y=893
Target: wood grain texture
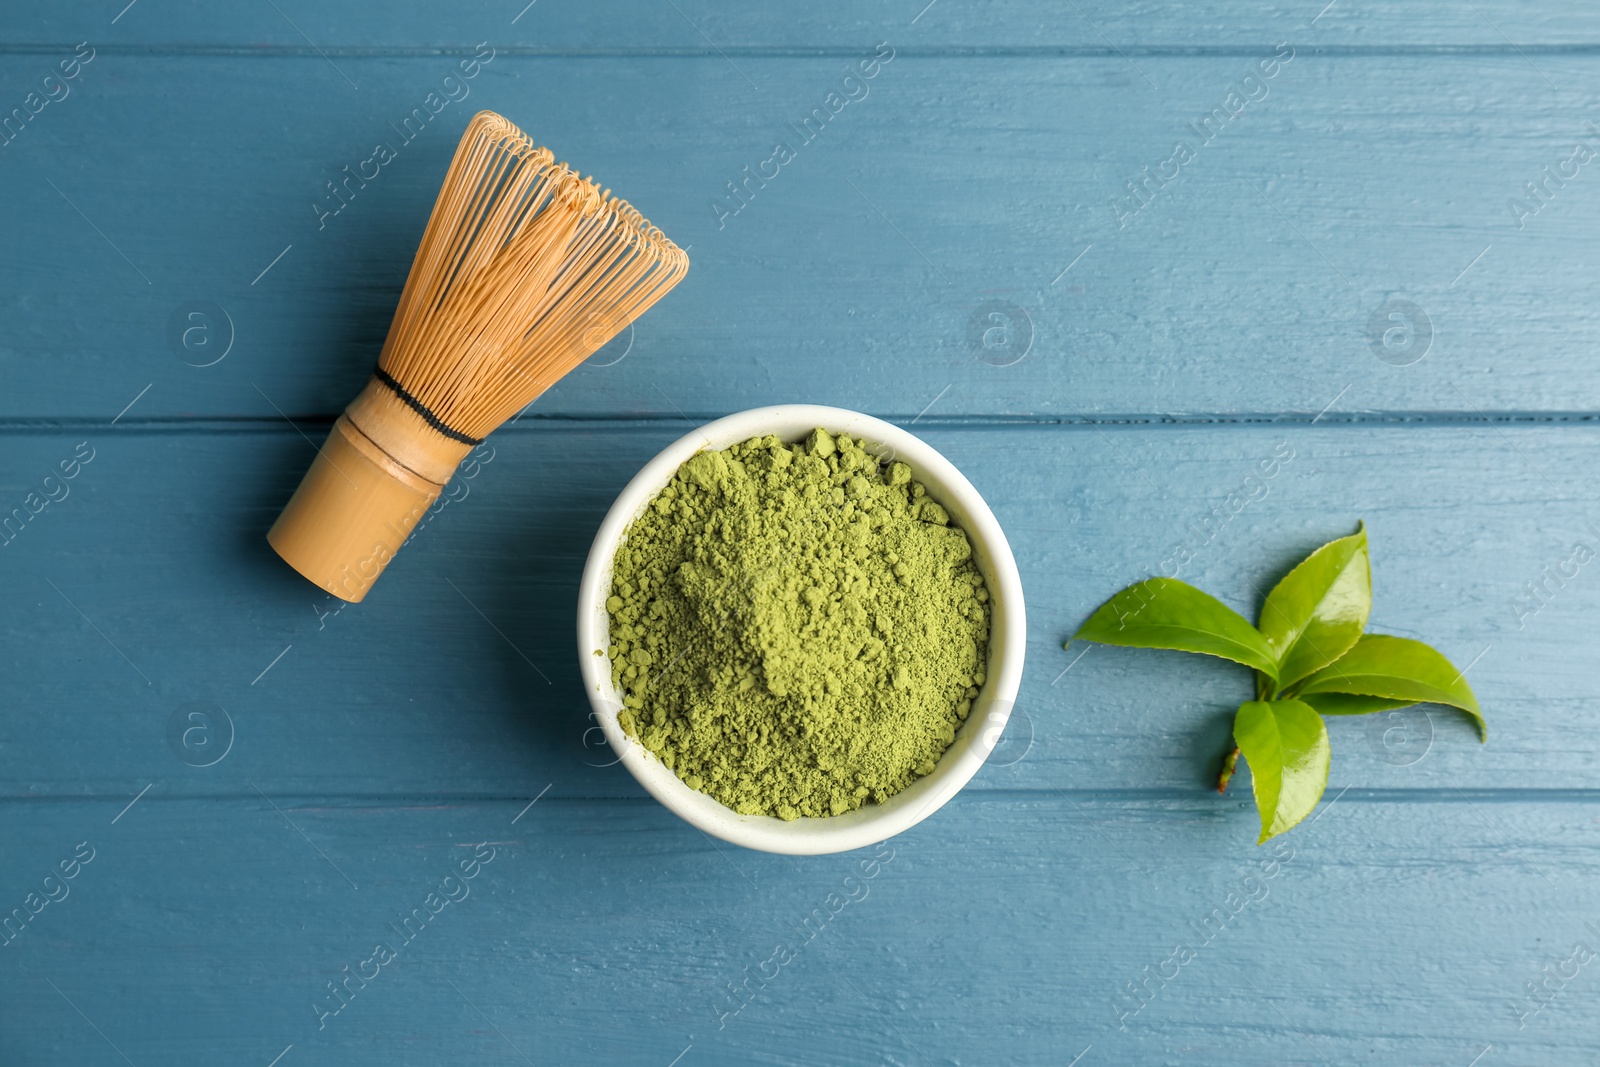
x=1007 y=930
x=865 y=273
x=352 y=759
x=702 y=28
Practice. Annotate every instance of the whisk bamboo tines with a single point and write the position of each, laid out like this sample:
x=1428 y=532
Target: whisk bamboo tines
x=524 y=271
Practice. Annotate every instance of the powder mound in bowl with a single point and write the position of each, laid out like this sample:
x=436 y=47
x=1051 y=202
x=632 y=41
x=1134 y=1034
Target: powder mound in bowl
x=797 y=629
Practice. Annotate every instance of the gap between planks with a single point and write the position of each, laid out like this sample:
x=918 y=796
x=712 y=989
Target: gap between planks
x=27 y=425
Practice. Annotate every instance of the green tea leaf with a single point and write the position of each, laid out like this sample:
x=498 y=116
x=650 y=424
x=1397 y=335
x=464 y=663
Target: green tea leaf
x=1397 y=668
x=1286 y=745
x=1317 y=613
x=1167 y=613
x=1350 y=703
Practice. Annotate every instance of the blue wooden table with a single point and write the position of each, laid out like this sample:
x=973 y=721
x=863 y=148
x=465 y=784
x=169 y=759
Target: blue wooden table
x=1106 y=257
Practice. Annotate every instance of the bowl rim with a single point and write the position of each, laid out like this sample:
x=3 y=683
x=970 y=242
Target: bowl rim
x=976 y=737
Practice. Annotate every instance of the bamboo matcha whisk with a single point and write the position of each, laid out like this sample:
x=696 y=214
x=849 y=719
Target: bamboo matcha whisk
x=524 y=271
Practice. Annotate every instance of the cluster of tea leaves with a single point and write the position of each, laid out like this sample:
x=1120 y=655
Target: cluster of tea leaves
x=1310 y=656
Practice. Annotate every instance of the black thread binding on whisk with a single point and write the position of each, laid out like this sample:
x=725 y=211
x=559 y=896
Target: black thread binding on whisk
x=422 y=409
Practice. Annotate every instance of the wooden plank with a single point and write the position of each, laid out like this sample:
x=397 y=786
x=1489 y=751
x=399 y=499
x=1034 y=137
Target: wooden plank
x=1007 y=930
x=1245 y=286
x=704 y=28
x=150 y=586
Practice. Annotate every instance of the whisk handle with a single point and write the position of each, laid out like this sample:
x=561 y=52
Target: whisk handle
x=353 y=510
x=373 y=479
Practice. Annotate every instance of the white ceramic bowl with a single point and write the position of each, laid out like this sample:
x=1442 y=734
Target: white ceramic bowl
x=977 y=737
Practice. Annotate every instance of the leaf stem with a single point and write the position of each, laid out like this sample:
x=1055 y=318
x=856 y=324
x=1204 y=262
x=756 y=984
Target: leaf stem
x=1229 y=762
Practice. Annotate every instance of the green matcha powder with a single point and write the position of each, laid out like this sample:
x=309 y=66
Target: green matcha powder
x=796 y=629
